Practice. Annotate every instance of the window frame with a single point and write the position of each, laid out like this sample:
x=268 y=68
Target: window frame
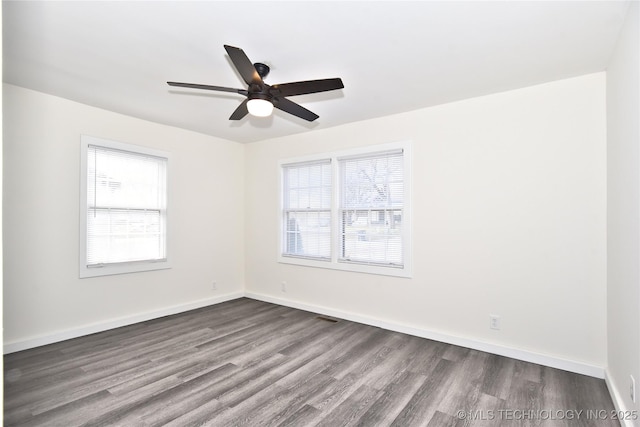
x=334 y=261
x=287 y=209
x=120 y=267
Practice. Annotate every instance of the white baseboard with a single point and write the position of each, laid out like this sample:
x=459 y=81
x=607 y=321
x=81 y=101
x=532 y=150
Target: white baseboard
x=618 y=402
x=527 y=356
x=524 y=355
x=114 y=323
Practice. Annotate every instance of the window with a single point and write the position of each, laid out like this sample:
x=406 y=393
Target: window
x=348 y=210
x=123 y=208
x=307 y=209
x=371 y=204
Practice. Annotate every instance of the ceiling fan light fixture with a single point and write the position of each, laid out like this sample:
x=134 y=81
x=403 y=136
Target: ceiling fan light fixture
x=260 y=107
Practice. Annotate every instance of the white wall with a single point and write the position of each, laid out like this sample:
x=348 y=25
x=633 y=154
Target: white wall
x=623 y=190
x=509 y=209
x=43 y=297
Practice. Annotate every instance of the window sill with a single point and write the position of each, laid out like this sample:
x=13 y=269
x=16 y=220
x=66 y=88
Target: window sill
x=123 y=268
x=403 y=272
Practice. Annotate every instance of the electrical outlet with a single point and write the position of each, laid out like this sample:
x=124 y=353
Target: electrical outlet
x=494 y=322
x=214 y=286
x=284 y=286
x=632 y=389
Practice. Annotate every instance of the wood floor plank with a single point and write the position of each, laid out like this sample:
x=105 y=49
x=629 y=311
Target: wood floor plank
x=204 y=415
x=524 y=399
x=292 y=400
x=302 y=417
x=393 y=398
x=351 y=409
x=250 y=363
x=424 y=401
x=440 y=419
x=69 y=413
x=465 y=387
x=132 y=411
x=498 y=372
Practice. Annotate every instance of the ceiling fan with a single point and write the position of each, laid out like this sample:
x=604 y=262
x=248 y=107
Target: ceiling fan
x=261 y=97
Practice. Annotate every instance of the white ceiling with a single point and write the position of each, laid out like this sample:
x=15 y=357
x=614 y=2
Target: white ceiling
x=392 y=56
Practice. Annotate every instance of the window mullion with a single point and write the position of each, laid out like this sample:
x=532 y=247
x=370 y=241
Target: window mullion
x=336 y=222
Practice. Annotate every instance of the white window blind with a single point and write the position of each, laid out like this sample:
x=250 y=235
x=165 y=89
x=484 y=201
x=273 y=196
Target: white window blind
x=371 y=208
x=307 y=209
x=126 y=206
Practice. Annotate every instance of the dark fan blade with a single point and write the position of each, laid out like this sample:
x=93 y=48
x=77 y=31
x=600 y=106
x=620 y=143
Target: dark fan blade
x=309 y=86
x=241 y=111
x=208 y=87
x=292 y=108
x=243 y=65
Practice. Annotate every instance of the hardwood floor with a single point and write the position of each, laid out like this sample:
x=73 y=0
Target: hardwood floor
x=247 y=362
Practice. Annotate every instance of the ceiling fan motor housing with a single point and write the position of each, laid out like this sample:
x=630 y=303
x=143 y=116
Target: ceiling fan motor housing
x=263 y=94
x=262 y=69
